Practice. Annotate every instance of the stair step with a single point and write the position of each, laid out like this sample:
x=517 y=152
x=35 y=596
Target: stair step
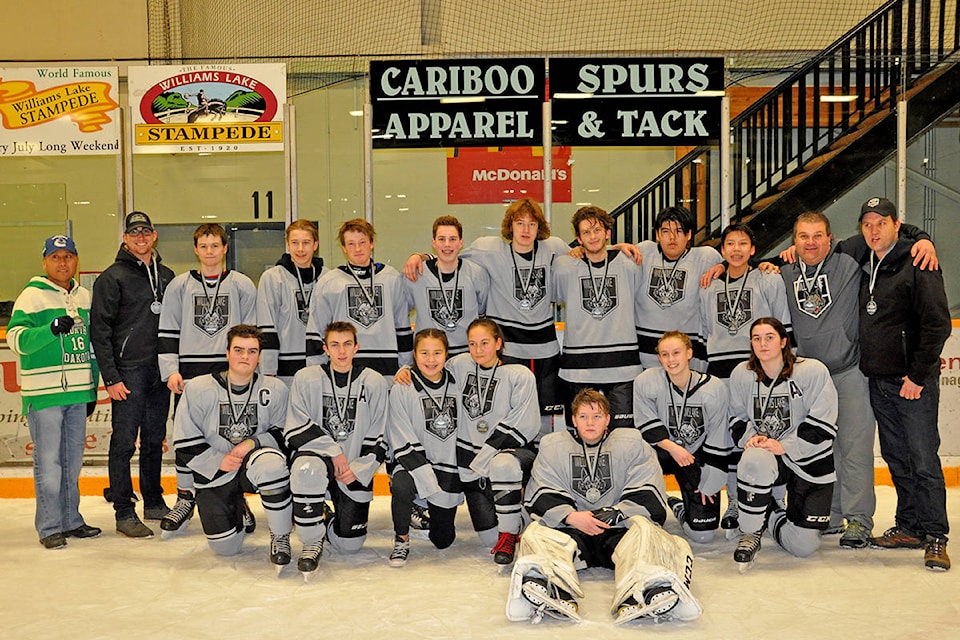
x=763 y=203
x=821 y=160
x=792 y=181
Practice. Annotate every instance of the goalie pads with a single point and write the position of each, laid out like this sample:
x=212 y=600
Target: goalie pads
x=545 y=553
x=648 y=557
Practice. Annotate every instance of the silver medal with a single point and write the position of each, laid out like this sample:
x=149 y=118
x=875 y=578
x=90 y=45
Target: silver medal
x=156 y=306
x=597 y=312
x=593 y=494
x=809 y=304
x=871 y=307
x=525 y=303
x=442 y=422
x=341 y=435
x=451 y=324
x=482 y=426
x=732 y=329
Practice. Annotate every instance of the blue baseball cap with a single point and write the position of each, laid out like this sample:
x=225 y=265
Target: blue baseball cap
x=55 y=243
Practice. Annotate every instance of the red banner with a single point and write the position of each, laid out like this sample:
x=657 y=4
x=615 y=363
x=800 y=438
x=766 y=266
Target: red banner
x=494 y=175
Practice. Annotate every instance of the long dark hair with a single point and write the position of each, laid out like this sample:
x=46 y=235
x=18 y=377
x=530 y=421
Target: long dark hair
x=789 y=358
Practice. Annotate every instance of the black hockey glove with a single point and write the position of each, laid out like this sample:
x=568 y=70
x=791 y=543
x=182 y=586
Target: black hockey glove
x=609 y=515
x=61 y=325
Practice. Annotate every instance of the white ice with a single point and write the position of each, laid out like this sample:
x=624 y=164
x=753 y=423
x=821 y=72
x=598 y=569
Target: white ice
x=113 y=587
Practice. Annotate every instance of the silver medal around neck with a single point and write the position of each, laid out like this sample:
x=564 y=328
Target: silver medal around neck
x=451 y=324
x=871 y=307
x=809 y=304
x=525 y=304
x=482 y=426
x=156 y=306
x=733 y=329
x=442 y=422
x=597 y=312
x=593 y=494
x=341 y=435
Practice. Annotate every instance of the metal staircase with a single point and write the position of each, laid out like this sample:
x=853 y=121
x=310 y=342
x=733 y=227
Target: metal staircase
x=797 y=149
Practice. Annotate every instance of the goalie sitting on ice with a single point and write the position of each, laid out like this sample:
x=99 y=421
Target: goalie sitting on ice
x=598 y=500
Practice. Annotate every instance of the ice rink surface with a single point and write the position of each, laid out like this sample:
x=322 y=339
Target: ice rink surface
x=113 y=587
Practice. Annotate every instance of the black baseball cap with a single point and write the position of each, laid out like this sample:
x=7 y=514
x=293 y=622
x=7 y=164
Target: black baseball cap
x=880 y=206
x=136 y=220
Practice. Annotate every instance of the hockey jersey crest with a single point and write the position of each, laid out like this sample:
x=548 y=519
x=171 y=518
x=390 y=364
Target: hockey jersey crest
x=364 y=307
x=441 y=420
x=591 y=484
x=735 y=312
x=529 y=286
x=339 y=416
x=237 y=428
x=211 y=315
x=478 y=394
x=691 y=427
x=598 y=296
x=446 y=307
x=667 y=286
x=815 y=302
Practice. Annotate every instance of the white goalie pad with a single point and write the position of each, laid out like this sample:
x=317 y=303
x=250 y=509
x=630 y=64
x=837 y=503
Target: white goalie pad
x=546 y=553
x=646 y=557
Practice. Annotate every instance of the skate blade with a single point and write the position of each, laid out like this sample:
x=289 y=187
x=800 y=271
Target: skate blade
x=169 y=535
x=279 y=568
x=730 y=534
x=744 y=567
x=504 y=569
x=309 y=576
x=547 y=608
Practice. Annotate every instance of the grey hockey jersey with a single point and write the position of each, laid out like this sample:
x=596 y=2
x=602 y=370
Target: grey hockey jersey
x=520 y=295
x=726 y=314
x=422 y=434
x=600 y=337
x=497 y=409
x=669 y=300
x=352 y=425
x=195 y=320
x=622 y=472
x=700 y=423
x=450 y=304
x=382 y=317
x=801 y=413
x=283 y=306
x=206 y=428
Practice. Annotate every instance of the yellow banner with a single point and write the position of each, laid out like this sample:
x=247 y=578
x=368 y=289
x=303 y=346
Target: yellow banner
x=206 y=133
x=86 y=103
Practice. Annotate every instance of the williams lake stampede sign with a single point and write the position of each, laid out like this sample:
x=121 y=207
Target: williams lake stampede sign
x=208 y=108
x=57 y=111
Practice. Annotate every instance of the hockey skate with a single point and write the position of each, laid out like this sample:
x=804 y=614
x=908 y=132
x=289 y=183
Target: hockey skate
x=549 y=600
x=309 y=559
x=658 y=601
x=730 y=522
x=746 y=552
x=178 y=519
x=505 y=549
x=249 y=521
x=676 y=505
x=279 y=550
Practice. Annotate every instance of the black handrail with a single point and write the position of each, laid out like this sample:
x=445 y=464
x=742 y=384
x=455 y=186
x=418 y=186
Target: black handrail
x=876 y=61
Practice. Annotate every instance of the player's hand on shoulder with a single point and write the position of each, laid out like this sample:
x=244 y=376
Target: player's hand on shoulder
x=403 y=376
x=711 y=274
x=413 y=267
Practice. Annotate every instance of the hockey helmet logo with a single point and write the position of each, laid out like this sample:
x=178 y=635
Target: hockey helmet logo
x=667 y=286
x=591 y=483
x=598 y=297
x=815 y=302
x=236 y=428
x=440 y=421
x=211 y=315
x=362 y=308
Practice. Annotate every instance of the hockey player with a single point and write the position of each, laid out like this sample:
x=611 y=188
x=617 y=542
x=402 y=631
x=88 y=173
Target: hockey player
x=421 y=433
x=783 y=414
x=600 y=339
x=451 y=292
x=228 y=430
x=49 y=329
x=683 y=414
x=335 y=427
x=727 y=307
x=669 y=297
x=283 y=302
x=367 y=294
x=598 y=500
x=198 y=309
x=519 y=266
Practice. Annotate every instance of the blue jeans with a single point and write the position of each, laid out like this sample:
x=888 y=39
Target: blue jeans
x=58 y=439
x=144 y=412
x=909 y=441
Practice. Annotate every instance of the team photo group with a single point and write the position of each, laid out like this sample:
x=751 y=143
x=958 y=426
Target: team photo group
x=758 y=384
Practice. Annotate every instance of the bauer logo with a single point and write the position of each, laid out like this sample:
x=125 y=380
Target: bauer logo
x=208 y=108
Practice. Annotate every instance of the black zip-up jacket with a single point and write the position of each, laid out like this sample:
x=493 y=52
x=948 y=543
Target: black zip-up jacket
x=912 y=321
x=123 y=329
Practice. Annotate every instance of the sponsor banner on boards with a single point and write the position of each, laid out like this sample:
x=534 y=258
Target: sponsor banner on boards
x=207 y=108
x=59 y=111
x=497 y=175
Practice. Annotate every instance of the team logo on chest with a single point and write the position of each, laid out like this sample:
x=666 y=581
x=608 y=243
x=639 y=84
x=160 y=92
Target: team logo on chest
x=774 y=419
x=734 y=313
x=362 y=308
x=598 y=296
x=303 y=306
x=667 y=286
x=529 y=286
x=591 y=479
x=816 y=301
x=691 y=426
x=440 y=421
x=339 y=416
x=211 y=315
x=479 y=400
x=237 y=428
x=446 y=307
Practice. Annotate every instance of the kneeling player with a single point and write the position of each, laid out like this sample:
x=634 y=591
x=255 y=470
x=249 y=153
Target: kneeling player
x=598 y=500
x=784 y=412
x=683 y=414
x=228 y=430
x=422 y=433
x=335 y=426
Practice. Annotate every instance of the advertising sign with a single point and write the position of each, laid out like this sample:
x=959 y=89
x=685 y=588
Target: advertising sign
x=491 y=176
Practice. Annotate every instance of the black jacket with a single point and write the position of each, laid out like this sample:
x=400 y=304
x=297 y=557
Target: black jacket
x=912 y=321
x=123 y=329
